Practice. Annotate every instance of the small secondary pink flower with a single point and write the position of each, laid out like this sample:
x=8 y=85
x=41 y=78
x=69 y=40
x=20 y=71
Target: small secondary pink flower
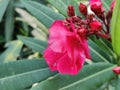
x=66 y=50
x=116 y=70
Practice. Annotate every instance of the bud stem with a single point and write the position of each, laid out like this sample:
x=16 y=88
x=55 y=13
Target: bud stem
x=106 y=36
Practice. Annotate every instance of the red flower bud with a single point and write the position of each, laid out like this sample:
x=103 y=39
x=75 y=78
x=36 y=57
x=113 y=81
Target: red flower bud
x=113 y=4
x=97 y=8
x=83 y=32
x=90 y=17
x=70 y=11
x=116 y=70
x=95 y=25
x=83 y=9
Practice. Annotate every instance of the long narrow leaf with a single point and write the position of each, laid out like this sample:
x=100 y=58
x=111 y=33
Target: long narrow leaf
x=90 y=78
x=12 y=52
x=64 y=4
x=36 y=45
x=42 y=13
x=9 y=21
x=3 y=6
x=97 y=53
x=24 y=80
x=21 y=66
x=116 y=28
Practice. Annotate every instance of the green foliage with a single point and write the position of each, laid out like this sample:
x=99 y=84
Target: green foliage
x=87 y=79
x=106 y=4
x=3 y=6
x=36 y=45
x=98 y=53
x=64 y=4
x=17 y=67
x=117 y=86
x=22 y=80
x=9 y=21
x=21 y=65
x=116 y=28
x=41 y=12
x=12 y=52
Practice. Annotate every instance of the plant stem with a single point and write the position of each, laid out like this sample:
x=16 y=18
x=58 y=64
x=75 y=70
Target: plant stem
x=106 y=36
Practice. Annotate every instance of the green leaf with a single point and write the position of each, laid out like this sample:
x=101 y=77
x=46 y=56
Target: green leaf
x=3 y=6
x=91 y=77
x=41 y=1
x=106 y=4
x=98 y=55
x=21 y=66
x=105 y=45
x=9 y=21
x=18 y=4
x=42 y=13
x=117 y=86
x=114 y=84
x=12 y=51
x=2 y=39
x=36 y=45
x=24 y=80
x=115 y=24
x=64 y=4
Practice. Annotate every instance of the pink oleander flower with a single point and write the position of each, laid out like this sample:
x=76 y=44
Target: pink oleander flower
x=116 y=70
x=66 y=50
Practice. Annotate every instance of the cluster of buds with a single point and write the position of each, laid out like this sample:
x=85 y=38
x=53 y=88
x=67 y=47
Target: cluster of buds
x=92 y=24
x=97 y=23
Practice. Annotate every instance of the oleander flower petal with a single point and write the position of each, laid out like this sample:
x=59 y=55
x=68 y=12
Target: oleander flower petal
x=57 y=36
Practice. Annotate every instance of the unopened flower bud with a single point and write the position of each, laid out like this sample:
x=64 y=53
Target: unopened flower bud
x=96 y=7
x=90 y=17
x=109 y=13
x=116 y=70
x=70 y=11
x=113 y=4
x=95 y=25
x=83 y=9
x=83 y=32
